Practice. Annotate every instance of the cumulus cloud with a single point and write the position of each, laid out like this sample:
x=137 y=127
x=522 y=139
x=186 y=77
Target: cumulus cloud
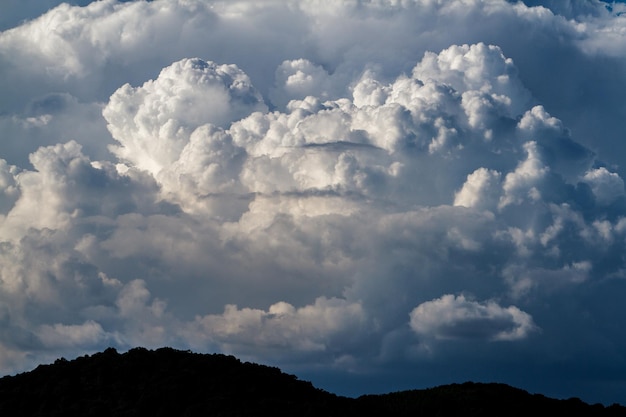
x=480 y=190
x=89 y=334
x=606 y=186
x=455 y=317
x=324 y=325
x=312 y=182
x=201 y=130
x=300 y=78
x=153 y=122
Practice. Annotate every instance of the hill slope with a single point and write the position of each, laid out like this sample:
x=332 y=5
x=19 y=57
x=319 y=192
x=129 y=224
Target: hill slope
x=168 y=382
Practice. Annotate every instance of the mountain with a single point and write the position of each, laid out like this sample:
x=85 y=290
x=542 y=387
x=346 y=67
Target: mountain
x=169 y=382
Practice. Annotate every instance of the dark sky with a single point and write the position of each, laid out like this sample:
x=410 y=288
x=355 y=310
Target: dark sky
x=374 y=195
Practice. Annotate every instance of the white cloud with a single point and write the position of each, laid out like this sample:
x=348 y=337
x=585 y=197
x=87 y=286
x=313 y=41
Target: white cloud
x=521 y=184
x=606 y=186
x=298 y=79
x=279 y=188
x=153 y=123
x=59 y=335
x=481 y=68
x=478 y=191
x=326 y=325
x=455 y=317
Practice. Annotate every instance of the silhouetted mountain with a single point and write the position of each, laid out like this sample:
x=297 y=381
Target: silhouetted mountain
x=477 y=399
x=169 y=382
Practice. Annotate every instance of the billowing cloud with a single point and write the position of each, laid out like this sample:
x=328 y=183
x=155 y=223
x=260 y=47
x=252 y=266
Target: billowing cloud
x=300 y=78
x=153 y=122
x=319 y=185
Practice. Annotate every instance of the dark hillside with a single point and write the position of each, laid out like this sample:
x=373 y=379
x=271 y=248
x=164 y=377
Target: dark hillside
x=164 y=382
x=485 y=400
x=168 y=382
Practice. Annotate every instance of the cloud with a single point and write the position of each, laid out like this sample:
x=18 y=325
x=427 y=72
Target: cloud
x=327 y=324
x=606 y=186
x=294 y=179
x=455 y=317
x=315 y=183
x=481 y=68
x=479 y=190
x=300 y=78
x=154 y=122
x=89 y=333
x=51 y=119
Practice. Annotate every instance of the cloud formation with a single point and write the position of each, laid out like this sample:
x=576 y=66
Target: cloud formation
x=334 y=186
x=451 y=317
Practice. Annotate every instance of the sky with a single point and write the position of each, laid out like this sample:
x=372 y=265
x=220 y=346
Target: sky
x=374 y=195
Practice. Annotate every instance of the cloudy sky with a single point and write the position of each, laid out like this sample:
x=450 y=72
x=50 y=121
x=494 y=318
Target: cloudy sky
x=372 y=194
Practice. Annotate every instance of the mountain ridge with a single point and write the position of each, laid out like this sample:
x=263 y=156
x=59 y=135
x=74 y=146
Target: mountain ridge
x=167 y=381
